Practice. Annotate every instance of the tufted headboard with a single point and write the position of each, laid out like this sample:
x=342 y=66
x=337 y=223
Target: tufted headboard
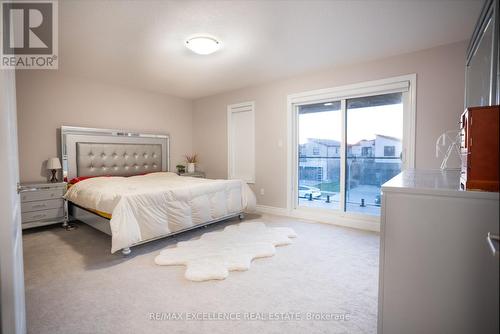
x=97 y=159
x=98 y=152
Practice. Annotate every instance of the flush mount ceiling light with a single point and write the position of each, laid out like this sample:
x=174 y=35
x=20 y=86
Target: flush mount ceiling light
x=203 y=45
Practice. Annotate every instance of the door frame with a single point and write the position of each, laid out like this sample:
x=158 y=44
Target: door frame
x=376 y=87
x=12 y=295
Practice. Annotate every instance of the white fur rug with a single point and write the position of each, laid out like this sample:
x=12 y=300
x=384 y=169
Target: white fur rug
x=216 y=253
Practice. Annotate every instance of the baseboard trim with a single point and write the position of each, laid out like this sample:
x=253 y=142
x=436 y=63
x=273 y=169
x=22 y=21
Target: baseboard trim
x=367 y=225
x=272 y=210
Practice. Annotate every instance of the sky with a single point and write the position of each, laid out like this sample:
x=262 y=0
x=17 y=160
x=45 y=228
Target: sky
x=362 y=123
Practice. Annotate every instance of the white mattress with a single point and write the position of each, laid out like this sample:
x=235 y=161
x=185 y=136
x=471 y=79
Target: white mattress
x=156 y=204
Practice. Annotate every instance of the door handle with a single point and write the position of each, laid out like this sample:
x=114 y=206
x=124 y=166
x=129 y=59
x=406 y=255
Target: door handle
x=493 y=241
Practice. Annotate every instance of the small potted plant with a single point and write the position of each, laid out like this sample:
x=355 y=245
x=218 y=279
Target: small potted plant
x=191 y=162
x=181 y=169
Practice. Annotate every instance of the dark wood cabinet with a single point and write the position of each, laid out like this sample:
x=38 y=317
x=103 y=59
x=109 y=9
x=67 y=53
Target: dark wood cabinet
x=479 y=148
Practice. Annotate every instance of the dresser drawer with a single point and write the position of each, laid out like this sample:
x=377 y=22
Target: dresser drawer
x=38 y=195
x=42 y=215
x=42 y=205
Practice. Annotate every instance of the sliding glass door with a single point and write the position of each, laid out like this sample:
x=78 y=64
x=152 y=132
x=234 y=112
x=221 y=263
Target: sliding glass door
x=374 y=149
x=319 y=147
x=345 y=148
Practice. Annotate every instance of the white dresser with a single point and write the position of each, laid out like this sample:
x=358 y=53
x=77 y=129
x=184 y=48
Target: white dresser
x=437 y=271
x=42 y=204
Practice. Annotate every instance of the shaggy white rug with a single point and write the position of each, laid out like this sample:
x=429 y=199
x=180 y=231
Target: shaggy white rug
x=216 y=253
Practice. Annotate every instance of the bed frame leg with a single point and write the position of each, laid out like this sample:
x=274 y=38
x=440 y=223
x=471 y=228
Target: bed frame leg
x=67 y=226
x=126 y=251
x=241 y=216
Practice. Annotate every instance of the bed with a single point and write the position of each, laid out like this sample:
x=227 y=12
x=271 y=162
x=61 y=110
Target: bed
x=119 y=183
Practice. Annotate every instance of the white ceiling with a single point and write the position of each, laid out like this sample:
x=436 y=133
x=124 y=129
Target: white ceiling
x=141 y=43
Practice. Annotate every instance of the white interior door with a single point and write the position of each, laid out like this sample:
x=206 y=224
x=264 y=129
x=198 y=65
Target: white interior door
x=241 y=141
x=12 y=311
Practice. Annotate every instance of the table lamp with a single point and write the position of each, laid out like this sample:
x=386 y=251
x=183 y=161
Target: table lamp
x=53 y=164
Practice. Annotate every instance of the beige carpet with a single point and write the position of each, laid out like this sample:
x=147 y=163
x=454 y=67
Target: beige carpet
x=74 y=285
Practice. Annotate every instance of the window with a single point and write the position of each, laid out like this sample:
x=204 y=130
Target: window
x=366 y=151
x=368 y=132
x=389 y=151
x=241 y=141
x=372 y=121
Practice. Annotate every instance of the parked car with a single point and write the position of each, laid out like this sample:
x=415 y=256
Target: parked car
x=306 y=191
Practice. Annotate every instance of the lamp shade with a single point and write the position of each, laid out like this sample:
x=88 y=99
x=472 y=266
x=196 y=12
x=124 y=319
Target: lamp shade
x=53 y=163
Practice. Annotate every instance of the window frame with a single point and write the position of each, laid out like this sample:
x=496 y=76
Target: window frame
x=406 y=84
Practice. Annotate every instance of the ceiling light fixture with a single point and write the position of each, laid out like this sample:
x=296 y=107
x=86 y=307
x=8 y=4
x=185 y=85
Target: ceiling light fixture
x=203 y=45
x=328 y=104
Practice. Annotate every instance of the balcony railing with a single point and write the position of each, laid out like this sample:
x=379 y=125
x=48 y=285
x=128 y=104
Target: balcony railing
x=357 y=157
x=364 y=177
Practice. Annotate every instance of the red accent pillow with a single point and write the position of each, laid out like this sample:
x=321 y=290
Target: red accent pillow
x=81 y=178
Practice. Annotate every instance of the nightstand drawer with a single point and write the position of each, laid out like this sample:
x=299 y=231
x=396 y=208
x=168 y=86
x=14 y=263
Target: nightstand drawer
x=42 y=205
x=55 y=193
x=42 y=215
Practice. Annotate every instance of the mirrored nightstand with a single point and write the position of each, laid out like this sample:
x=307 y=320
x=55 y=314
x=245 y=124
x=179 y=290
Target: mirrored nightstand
x=43 y=204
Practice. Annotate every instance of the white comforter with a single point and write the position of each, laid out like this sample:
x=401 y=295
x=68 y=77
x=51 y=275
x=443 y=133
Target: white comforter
x=152 y=205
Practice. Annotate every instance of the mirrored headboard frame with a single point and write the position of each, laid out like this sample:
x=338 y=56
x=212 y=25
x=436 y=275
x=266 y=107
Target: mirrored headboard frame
x=71 y=135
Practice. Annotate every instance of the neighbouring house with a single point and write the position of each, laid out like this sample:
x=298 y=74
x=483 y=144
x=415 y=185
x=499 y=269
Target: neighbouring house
x=363 y=148
x=369 y=161
x=383 y=148
x=319 y=161
x=388 y=149
x=373 y=161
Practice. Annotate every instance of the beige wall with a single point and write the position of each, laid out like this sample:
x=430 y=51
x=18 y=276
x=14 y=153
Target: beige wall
x=440 y=91
x=47 y=99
